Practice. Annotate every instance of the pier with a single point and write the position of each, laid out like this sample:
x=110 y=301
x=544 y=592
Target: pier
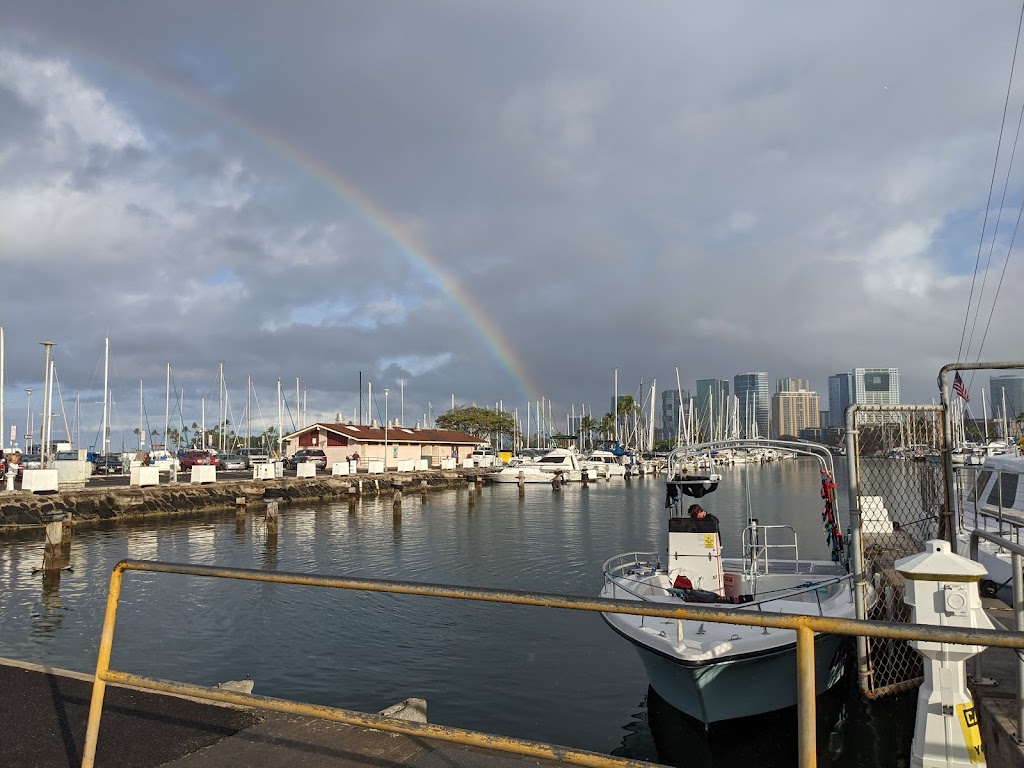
x=21 y=509
x=146 y=730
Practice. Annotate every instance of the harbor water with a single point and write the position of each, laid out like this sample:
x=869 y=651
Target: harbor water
x=556 y=676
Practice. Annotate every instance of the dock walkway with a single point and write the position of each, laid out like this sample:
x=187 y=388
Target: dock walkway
x=44 y=714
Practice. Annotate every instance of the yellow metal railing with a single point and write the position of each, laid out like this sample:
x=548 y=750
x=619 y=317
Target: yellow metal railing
x=805 y=627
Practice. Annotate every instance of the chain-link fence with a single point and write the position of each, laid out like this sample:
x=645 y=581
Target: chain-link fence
x=900 y=495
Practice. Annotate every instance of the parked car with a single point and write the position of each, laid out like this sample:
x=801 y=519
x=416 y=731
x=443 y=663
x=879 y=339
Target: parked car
x=253 y=456
x=229 y=461
x=107 y=465
x=314 y=455
x=196 y=458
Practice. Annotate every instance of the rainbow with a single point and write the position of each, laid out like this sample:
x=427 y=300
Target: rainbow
x=380 y=219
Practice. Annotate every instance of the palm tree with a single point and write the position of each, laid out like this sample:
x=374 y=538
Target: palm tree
x=607 y=426
x=587 y=427
x=626 y=408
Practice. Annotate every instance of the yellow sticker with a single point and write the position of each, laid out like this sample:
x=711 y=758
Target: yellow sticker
x=968 y=717
x=709 y=541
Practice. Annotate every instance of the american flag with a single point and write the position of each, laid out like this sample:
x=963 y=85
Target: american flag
x=960 y=389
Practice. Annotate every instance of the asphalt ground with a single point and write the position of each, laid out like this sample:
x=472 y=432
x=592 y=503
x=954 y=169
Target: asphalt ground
x=44 y=712
x=43 y=717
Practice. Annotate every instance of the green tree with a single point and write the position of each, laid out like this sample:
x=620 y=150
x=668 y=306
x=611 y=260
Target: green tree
x=476 y=421
x=587 y=427
x=626 y=409
x=607 y=426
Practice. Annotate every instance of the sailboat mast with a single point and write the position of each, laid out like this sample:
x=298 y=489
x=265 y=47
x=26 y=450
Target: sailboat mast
x=248 y=411
x=984 y=412
x=106 y=404
x=650 y=433
x=167 y=409
x=280 y=419
x=615 y=405
x=220 y=410
x=142 y=428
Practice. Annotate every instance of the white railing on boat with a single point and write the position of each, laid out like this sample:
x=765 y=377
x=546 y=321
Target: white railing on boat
x=756 y=552
x=618 y=569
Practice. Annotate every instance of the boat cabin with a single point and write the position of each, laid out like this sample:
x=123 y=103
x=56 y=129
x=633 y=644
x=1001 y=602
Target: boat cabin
x=695 y=553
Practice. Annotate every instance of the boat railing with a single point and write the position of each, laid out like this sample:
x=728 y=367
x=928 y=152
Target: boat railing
x=758 y=550
x=789 y=593
x=618 y=571
x=1006 y=480
x=804 y=626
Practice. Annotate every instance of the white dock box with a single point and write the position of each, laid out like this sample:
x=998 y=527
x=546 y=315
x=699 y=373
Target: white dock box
x=263 y=471
x=142 y=476
x=203 y=473
x=39 y=480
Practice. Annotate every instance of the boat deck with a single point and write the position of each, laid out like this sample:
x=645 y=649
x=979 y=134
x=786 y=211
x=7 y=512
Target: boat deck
x=43 y=722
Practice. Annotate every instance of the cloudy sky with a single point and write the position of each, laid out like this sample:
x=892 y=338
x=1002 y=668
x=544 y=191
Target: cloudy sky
x=497 y=201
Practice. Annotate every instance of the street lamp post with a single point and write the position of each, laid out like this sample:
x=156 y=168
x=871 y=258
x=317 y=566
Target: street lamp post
x=28 y=417
x=386 y=392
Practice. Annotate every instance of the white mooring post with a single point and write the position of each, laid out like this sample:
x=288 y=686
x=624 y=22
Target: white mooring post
x=942 y=589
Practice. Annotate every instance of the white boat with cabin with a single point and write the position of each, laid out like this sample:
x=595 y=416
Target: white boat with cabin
x=993 y=501
x=603 y=464
x=561 y=463
x=719 y=671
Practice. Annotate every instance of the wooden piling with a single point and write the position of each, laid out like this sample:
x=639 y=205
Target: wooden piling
x=53 y=549
x=65 y=542
x=272 y=517
x=396 y=503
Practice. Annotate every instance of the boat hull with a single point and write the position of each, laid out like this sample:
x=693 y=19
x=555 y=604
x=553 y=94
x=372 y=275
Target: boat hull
x=741 y=687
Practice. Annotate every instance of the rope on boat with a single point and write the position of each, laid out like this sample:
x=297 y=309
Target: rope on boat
x=833 y=531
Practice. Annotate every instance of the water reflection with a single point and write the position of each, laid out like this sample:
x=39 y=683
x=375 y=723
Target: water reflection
x=48 y=618
x=852 y=732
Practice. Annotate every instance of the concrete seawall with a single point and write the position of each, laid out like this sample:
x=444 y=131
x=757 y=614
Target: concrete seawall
x=21 y=510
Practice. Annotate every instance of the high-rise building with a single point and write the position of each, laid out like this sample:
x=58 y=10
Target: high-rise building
x=1012 y=388
x=792 y=385
x=876 y=386
x=840 y=395
x=711 y=417
x=752 y=392
x=793 y=411
x=673 y=412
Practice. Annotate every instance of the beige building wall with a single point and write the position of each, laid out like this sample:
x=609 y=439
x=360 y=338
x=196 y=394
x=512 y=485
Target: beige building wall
x=793 y=411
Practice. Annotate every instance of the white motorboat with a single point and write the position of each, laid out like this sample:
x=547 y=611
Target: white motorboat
x=603 y=464
x=563 y=463
x=716 y=671
x=993 y=502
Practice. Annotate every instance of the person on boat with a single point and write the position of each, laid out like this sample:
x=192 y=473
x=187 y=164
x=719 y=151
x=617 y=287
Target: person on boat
x=697 y=512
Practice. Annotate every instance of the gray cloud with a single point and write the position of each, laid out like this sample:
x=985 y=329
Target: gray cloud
x=314 y=191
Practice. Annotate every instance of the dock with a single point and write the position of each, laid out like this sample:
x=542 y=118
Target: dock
x=43 y=722
x=996 y=695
